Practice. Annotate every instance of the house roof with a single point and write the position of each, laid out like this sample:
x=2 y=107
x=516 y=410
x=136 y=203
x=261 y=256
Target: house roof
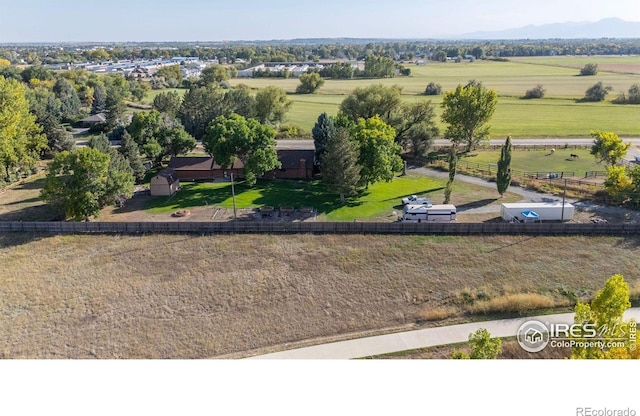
x=290 y=158
x=169 y=174
x=96 y=118
x=191 y=163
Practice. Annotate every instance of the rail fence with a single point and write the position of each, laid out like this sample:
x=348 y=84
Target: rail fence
x=241 y=227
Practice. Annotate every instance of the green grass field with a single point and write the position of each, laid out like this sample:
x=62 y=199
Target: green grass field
x=559 y=114
x=542 y=160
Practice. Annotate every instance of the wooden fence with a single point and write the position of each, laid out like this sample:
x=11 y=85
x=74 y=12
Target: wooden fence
x=318 y=228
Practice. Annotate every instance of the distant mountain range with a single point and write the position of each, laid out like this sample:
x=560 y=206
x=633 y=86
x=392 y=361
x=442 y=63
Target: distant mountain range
x=605 y=28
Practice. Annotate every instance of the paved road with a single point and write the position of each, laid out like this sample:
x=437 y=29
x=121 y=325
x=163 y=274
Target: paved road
x=422 y=338
x=581 y=141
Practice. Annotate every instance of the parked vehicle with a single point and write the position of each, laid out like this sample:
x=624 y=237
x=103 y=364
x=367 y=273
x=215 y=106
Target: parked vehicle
x=431 y=213
x=545 y=211
x=416 y=200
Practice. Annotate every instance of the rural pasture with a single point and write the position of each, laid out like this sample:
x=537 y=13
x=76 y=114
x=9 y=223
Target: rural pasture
x=178 y=296
x=558 y=114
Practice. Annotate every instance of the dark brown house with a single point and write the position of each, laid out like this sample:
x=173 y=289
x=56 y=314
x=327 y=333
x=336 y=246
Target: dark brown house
x=296 y=164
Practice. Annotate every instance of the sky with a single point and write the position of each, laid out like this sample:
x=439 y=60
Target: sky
x=201 y=20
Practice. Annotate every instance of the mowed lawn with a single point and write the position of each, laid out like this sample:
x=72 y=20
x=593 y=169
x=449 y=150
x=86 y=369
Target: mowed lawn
x=376 y=203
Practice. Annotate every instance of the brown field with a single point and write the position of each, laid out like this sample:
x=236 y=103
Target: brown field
x=177 y=296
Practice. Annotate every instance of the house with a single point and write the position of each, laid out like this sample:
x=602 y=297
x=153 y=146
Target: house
x=164 y=183
x=296 y=164
x=192 y=168
x=93 y=120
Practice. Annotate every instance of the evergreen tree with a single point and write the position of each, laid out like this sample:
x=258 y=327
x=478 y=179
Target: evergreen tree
x=453 y=162
x=340 y=169
x=503 y=178
x=323 y=129
x=129 y=150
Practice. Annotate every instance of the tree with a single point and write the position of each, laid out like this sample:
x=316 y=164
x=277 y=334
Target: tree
x=70 y=106
x=415 y=126
x=77 y=182
x=168 y=103
x=271 y=105
x=99 y=104
x=634 y=94
x=310 y=82
x=379 y=67
x=200 y=105
x=340 y=169
x=604 y=315
x=321 y=132
x=608 y=148
x=618 y=184
x=596 y=93
x=589 y=69
x=536 y=92
x=236 y=138
x=175 y=141
x=466 y=111
x=21 y=140
x=483 y=347
x=214 y=74
x=240 y=101
x=130 y=151
x=503 y=177
x=379 y=158
x=433 y=89
x=453 y=162
x=171 y=73
x=374 y=100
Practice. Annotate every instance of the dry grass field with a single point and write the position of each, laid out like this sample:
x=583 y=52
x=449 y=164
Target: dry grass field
x=177 y=296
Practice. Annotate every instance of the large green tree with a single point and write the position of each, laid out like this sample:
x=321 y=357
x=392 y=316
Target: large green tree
x=374 y=100
x=310 y=82
x=21 y=140
x=379 y=155
x=77 y=182
x=340 y=169
x=608 y=148
x=200 y=105
x=415 y=126
x=233 y=138
x=272 y=105
x=321 y=132
x=466 y=111
x=168 y=103
x=130 y=151
x=503 y=176
x=453 y=165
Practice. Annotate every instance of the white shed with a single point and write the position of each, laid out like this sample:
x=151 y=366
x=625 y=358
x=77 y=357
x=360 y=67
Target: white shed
x=165 y=183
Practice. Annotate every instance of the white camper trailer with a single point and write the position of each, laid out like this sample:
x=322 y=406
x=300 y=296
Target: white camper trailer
x=424 y=213
x=546 y=211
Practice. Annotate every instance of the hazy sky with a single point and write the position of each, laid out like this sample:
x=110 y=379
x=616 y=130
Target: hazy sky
x=200 y=20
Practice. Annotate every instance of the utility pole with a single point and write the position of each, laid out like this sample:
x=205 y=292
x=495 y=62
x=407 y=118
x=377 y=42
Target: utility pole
x=564 y=194
x=233 y=194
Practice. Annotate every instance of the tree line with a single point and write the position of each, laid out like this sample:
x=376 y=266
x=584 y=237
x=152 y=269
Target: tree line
x=293 y=51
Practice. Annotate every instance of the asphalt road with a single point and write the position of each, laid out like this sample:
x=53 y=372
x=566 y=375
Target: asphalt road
x=559 y=142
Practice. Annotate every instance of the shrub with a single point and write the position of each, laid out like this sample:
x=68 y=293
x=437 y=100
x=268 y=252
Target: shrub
x=589 y=69
x=433 y=89
x=596 y=93
x=536 y=92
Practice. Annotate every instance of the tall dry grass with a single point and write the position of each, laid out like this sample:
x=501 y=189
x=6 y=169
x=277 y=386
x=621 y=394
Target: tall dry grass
x=177 y=296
